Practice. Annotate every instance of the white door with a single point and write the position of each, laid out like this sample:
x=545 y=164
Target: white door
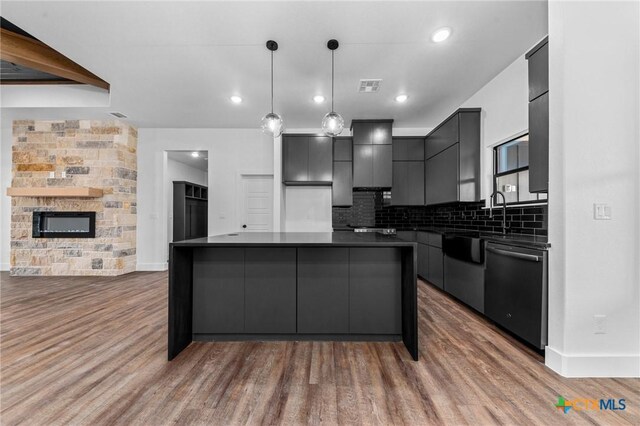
x=257 y=203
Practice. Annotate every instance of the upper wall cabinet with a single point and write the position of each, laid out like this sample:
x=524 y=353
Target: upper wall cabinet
x=408 y=149
x=452 y=159
x=307 y=160
x=408 y=171
x=538 y=60
x=371 y=132
x=372 y=153
x=342 y=189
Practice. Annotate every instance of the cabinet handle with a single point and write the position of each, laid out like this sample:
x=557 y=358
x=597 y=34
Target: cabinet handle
x=244 y=226
x=523 y=256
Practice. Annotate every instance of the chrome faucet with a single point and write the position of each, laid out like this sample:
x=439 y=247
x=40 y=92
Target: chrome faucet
x=504 y=210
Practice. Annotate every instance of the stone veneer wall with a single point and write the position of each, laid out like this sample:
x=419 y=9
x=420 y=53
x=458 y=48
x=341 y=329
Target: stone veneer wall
x=100 y=154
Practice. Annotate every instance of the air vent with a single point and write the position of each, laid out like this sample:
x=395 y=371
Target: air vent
x=118 y=114
x=370 y=85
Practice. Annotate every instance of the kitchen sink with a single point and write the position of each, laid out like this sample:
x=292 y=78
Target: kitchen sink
x=465 y=245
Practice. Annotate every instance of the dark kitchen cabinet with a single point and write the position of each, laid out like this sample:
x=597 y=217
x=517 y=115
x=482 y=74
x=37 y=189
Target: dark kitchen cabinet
x=190 y=211
x=375 y=291
x=295 y=158
x=372 y=166
x=442 y=137
x=539 y=144
x=371 y=132
x=362 y=166
x=465 y=281
x=307 y=160
x=320 y=159
x=342 y=189
x=430 y=257
x=435 y=272
x=408 y=149
x=408 y=183
x=372 y=153
x=382 y=166
x=361 y=132
x=441 y=177
x=218 y=290
x=538 y=61
x=423 y=260
x=270 y=290
x=342 y=149
x=323 y=290
x=538 y=64
x=452 y=164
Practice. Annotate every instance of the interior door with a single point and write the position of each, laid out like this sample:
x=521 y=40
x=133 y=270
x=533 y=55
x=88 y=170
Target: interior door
x=257 y=203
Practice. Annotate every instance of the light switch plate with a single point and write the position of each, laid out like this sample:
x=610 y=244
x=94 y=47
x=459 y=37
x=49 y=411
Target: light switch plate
x=602 y=211
x=63 y=175
x=52 y=175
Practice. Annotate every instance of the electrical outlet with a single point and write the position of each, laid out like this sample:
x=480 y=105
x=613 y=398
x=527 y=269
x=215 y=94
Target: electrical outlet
x=600 y=324
x=63 y=175
x=52 y=175
x=602 y=212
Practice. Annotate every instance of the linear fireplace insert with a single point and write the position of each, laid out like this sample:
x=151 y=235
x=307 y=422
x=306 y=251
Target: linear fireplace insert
x=48 y=224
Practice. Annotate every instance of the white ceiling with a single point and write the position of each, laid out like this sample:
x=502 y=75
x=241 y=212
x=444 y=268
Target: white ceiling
x=175 y=64
x=185 y=157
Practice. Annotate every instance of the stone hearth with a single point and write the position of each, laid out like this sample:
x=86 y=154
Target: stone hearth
x=100 y=154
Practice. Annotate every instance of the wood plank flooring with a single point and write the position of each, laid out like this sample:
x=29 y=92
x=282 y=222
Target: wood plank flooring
x=86 y=350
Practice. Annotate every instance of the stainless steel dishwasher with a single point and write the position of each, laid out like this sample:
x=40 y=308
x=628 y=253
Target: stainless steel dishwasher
x=516 y=291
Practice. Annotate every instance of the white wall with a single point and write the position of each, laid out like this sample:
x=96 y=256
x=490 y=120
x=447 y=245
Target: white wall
x=504 y=102
x=231 y=152
x=594 y=155
x=177 y=171
x=308 y=209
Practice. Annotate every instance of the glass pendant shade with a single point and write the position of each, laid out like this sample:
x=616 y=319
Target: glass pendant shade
x=332 y=124
x=273 y=124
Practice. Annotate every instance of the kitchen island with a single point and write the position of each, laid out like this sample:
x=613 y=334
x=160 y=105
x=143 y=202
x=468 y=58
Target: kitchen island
x=340 y=286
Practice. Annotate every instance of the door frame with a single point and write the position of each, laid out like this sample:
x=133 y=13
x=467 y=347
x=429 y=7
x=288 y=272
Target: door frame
x=240 y=192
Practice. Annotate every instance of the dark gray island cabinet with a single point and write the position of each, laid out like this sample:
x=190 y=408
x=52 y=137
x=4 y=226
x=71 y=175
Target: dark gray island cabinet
x=293 y=286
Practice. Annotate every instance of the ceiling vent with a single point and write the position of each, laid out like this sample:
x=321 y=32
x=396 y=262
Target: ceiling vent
x=118 y=114
x=370 y=85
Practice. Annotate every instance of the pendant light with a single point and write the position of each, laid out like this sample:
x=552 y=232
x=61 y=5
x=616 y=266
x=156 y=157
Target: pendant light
x=272 y=123
x=332 y=123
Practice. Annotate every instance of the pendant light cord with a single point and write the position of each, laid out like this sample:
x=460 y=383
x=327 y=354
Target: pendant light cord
x=332 y=72
x=272 y=82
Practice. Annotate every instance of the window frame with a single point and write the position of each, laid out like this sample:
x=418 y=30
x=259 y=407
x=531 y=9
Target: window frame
x=516 y=171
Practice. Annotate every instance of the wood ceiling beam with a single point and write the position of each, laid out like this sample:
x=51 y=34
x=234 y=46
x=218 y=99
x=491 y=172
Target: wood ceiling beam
x=37 y=55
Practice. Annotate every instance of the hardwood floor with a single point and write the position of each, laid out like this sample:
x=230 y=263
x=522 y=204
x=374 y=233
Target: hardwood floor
x=88 y=350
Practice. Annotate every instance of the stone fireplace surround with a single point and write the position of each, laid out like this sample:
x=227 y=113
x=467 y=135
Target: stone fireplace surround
x=100 y=154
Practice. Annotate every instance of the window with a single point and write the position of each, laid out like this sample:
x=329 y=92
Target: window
x=511 y=172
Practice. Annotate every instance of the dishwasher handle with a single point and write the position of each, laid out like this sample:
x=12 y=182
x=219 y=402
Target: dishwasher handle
x=523 y=256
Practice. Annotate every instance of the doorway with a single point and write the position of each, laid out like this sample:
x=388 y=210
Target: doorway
x=185 y=166
x=255 y=203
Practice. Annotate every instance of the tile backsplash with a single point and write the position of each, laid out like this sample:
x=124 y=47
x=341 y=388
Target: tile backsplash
x=530 y=220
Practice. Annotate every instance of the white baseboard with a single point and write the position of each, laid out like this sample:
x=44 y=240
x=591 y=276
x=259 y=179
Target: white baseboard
x=152 y=266
x=592 y=365
x=4 y=267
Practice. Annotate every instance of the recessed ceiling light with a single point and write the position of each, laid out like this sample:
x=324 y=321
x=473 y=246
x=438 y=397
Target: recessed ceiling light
x=441 y=35
x=318 y=99
x=195 y=154
x=402 y=98
x=236 y=99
